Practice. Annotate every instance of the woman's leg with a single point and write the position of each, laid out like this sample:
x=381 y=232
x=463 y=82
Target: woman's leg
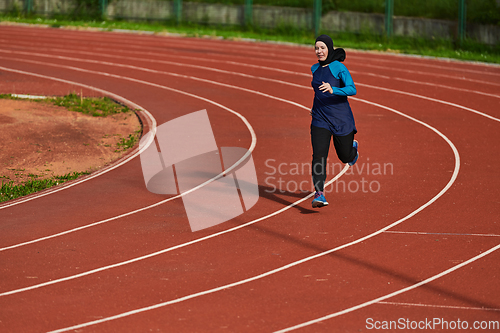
x=320 y=139
x=344 y=147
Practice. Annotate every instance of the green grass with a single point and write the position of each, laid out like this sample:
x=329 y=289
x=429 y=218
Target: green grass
x=129 y=142
x=469 y=50
x=97 y=107
x=478 y=11
x=9 y=191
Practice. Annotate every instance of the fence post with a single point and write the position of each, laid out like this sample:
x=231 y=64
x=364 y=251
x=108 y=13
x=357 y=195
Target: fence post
x=177 y=11
x=28 y=4
x=104 y=7
x=462 y=16
x=316 y=16
x=389 y=13
x=248 y=13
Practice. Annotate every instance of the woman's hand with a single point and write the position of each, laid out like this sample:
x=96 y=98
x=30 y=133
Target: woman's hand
x=326 y=87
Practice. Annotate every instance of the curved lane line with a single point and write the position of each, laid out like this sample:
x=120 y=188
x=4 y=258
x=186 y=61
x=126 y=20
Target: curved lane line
x=296 y=263
x=248 y=76
x=267 y=54
x=149 y=118
x=236 y=73
x=176 y=247
x=427 y=65
x=456 y=267
x=398 y=292
x=135 y=80
x=250 y=150
x=432 y=100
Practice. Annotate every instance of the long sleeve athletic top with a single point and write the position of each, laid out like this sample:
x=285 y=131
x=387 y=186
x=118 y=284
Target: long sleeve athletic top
x=332 y=111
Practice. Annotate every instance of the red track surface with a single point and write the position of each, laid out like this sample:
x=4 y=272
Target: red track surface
x=420 y=244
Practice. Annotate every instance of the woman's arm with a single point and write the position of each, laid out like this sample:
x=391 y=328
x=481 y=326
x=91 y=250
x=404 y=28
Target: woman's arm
x=349 y=89
x=339 y=71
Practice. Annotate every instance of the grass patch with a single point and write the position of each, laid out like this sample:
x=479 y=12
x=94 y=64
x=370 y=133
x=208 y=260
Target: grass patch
x=127 y=143
x=468 y=50
x=9 y=191
x=95 y=106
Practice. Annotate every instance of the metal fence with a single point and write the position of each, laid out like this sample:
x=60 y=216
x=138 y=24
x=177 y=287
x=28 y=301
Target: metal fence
x=270 y=17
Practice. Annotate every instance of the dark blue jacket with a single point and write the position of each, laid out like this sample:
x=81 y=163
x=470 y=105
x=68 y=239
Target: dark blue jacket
x=332 y=111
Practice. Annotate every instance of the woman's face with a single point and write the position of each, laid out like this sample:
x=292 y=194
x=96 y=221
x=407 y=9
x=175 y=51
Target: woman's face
x=321 y=51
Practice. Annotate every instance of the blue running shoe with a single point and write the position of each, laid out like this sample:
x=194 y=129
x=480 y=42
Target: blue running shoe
x=355 y=145
x=319 y=200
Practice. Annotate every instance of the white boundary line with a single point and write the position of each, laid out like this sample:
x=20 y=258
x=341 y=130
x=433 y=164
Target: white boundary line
x=456 y=267
x=67 y=278
x=149 y=118
x=433 y=74
x=250 y=150
x=426 y=83
x=154 y=254
x=111 y=266
x=398 y=292
x=427 y=65
x=260 y=45
x=159 y=203
x=296 y=263
x=432 y=100
x=248 y=76
x=438 y=306
x=257 y=44
x=148 y=83
x=440 y=233
x=100 y=222
x=156 y=61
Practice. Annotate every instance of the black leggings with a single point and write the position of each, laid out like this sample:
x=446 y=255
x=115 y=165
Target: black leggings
x=320 y=139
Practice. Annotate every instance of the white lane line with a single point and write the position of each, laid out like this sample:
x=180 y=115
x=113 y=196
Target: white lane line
x=174 y=63
x=433 y=100
x=250 y=150
x=156 y=204
x=254 y=77
x=246 y=65
x=150 y=120
x=438 y=306
x=143 y=82
x=440 y=233
x=398 y=292
x=28 y=96
x=154 y=254
x=296 y=263
x=356 y=54
x=104 y=221
x=426 y=84
x=427 y=65
x=433 y=74
x=144 y=69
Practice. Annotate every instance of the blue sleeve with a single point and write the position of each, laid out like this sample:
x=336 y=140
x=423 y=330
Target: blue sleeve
x=339 y=71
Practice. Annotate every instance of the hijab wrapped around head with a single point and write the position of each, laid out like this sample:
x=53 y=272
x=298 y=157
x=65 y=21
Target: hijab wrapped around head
x=333 y=54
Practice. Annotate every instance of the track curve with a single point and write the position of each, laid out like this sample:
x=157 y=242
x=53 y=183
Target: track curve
x=406 y=162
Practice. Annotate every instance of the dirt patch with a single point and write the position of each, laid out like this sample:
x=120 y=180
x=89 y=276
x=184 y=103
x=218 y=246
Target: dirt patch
x=46 y=140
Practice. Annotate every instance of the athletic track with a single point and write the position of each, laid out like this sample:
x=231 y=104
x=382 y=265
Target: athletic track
x=412 y=230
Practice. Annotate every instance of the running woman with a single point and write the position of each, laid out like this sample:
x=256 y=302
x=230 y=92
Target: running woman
x=331 y=114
